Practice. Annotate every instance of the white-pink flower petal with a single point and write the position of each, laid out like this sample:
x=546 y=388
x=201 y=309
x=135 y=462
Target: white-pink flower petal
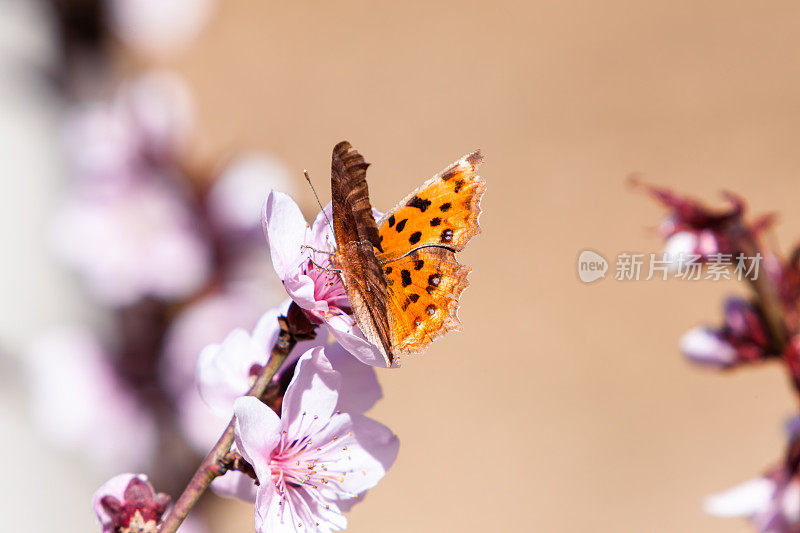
x=258 y=432
x=319 y=459
x=285 y=228
x=311 y=397
x=351 y=338
x=223 y=370
x=359 y=389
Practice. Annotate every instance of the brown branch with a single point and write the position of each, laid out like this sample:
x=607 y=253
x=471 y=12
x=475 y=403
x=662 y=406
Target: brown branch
x=217 y=461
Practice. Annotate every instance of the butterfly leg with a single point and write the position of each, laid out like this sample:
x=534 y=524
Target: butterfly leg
x=326 y=269
x=304 y=247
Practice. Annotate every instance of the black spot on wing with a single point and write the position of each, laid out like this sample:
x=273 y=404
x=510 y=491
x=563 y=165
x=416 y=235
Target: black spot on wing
x=401 y=225
x=415 y=237
x=459 y=185
x=445 y=207
x=405 y=276
x=418 y=264
x=433 y=282
x=413 y=297
x=447 y=235
x=391 y=221
x=419 y=203
x=436 y=221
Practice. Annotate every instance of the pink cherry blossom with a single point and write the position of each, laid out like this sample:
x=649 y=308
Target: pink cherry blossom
x=128 y=502
x=319 y=292
x=313 y=456
x=226 y=371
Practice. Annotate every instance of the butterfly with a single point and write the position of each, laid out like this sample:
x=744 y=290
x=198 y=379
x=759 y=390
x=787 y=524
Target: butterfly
x=400 y=272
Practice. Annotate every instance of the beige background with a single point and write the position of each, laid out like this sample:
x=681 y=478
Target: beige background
x=561 y=407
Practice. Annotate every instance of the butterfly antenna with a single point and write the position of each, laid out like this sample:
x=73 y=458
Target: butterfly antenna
x=308 y=179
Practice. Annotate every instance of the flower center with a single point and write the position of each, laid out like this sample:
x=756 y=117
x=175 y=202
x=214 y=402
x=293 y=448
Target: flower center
x=299 y=464
x=328 y=285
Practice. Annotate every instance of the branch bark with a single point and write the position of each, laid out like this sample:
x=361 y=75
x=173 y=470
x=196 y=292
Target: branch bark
x=216 y=463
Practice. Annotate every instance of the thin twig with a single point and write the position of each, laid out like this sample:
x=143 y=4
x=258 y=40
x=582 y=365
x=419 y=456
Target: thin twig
x=215 y=463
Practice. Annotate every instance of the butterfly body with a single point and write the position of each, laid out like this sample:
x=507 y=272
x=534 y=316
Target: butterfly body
x=401 y=273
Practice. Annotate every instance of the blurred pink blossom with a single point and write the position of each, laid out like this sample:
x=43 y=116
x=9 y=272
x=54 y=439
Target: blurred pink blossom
x=693 y=229
x=158 y=26
x=742 y=339
x=126 y=226
x=236 y=198
x=684 y=244
x=141 y=241
x=142 y=128
x=79 y=403
x=772 y=503
x=205 y=322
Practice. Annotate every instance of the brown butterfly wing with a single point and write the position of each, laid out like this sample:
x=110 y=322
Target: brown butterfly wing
x=356 y=233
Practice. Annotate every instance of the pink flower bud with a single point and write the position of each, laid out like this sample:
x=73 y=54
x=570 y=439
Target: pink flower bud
x=128 y=502
x=705 y=346
x=743 y=338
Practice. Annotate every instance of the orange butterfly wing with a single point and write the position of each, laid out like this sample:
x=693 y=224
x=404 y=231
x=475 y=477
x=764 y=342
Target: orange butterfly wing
x=443 y=211
x=423 y=291
x=419 y=239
